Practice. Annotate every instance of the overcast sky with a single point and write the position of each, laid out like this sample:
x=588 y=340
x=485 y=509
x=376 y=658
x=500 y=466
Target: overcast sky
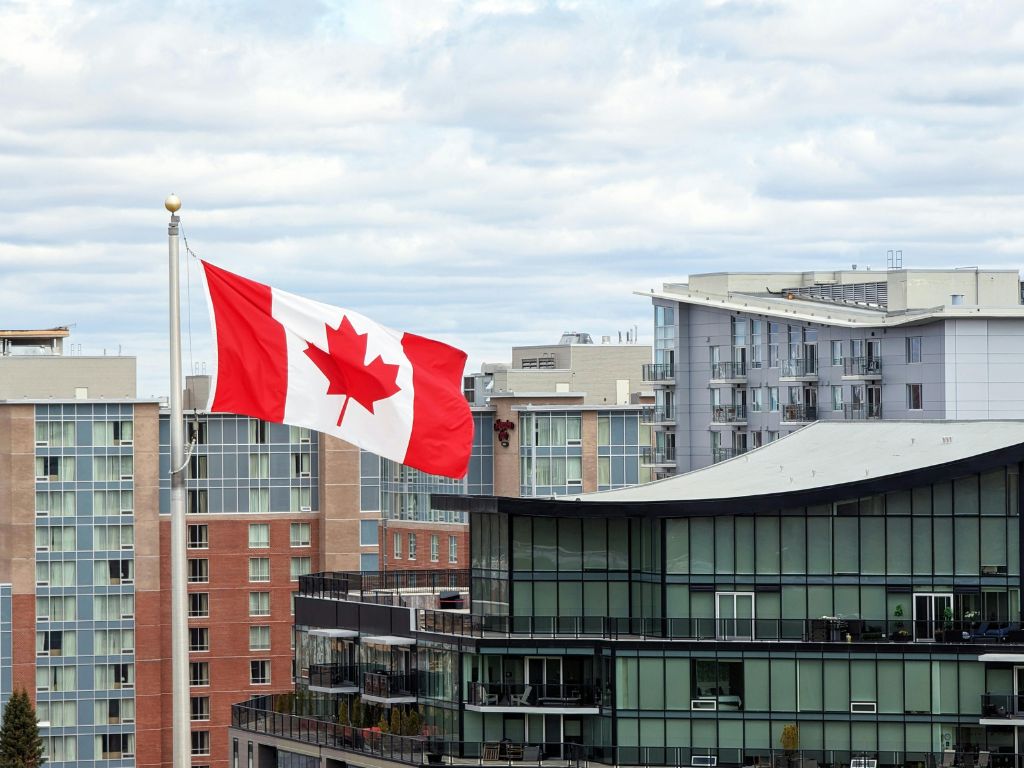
x=496 y=172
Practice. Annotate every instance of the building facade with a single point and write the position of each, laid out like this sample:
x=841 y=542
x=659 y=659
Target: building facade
x=862 y=603
x=741 y=359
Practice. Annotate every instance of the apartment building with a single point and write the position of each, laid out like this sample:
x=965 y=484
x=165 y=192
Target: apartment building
x=847 y=596
x=741 y=359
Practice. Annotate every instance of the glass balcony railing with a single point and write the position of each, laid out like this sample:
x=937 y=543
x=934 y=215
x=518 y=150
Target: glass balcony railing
x=657 y=415
x=659 y=371
x=1002 y=706
x=657 y=456
x=799 y=413
x=855 y=411
x=533 y=695
x=798 y=369
x=389 y=685
x=333 y=675
x=862 y=366
x=728 y=371
x=728 y=414
x=721 y=454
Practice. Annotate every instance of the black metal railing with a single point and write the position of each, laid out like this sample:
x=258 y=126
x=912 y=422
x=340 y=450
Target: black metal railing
x=380 y=586
x=862 y=366
x=728 y=370
x=657 y=454
x=656 y=415
x=333 y=675
x=721 y=454
x=728 y=414
x=862 y=411
x=533 y=695
x=659 y=371
x=824 y=630
x=799 y=413
x=389 y=685
x=799 y=368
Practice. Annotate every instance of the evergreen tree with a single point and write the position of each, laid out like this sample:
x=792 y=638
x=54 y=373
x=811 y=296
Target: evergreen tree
x=20 y=743
x=395 y=726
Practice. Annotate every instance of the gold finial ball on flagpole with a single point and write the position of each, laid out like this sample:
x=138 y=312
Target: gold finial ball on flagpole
x=172 y=203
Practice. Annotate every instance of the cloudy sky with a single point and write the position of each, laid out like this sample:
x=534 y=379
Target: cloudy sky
x=492 y=172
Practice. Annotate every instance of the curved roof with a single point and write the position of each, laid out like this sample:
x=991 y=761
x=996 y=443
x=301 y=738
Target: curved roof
x=826 y=454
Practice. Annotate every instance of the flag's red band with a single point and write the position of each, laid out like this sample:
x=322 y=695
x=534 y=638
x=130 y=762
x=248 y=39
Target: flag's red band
x=252 y=353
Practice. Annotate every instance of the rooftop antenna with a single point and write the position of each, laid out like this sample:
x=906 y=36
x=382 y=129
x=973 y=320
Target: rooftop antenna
x=894 y=260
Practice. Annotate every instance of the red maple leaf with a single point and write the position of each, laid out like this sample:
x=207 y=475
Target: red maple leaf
x=343 y=365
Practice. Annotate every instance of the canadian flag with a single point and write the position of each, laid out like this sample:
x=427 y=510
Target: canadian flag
x=291 y=360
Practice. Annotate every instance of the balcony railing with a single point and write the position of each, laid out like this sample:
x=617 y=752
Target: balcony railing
x=389 y=685
x=797 y=369
x=1002 y=705
x=659 y=371
x=380 y=586
x=657 y=415
x=728 y=371
x=537 y=695
x=862 y=366
x=728 y=414
x=657 y=456
x=825 y=630
x=333 y=675
x=799 y=413
x=862 y=411
x=721 y=454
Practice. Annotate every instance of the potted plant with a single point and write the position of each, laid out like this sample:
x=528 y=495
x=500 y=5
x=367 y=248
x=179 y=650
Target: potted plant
x=900 y=633
x=790 y=741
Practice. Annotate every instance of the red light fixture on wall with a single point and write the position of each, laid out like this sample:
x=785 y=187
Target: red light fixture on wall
x=503 y=427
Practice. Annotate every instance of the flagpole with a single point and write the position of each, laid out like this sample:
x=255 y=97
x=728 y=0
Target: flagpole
x=181 y=738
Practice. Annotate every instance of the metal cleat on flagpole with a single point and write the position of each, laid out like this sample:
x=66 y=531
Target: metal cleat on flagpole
x=181 y=736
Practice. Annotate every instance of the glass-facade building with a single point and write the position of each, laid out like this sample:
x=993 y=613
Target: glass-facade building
x=849 y=595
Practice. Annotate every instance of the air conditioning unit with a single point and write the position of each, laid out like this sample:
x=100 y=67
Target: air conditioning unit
x=574 y=482
x=127 y=754
x=305 y=509
x=126 y=511
x=43 y=548
x=44 y=687
x=704 y=761
x=128 y=546
x=42 y=443
x=303 y=474
x=863 y=708
x=42 y=478
x=42 y=583
x=127 y=477
x=304 y=440
x=123 y=443
x=42 y=513
x=704 y=704
x=127 y=650
x=127 y=719
x=127 y=615
x=127 y=581
x=863 y=762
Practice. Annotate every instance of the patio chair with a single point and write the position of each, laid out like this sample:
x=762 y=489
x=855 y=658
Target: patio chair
x=979 y=633
x=485 y=698
x=948 y=756
x=983 y=759
x=1000 y=633
x=522 y=699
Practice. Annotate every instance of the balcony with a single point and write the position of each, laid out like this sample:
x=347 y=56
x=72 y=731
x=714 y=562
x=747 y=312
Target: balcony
x=389 y=687
x=862 y=368
x=862 y=411
x=334 y=678
x=1002 y=709
x=721 y=454
x=659 y=372
x=798 y=370
x=729 y=414
x=799 y=414
x=654 y=456
x=657 y=415
x=550 y=698
x=728 y=373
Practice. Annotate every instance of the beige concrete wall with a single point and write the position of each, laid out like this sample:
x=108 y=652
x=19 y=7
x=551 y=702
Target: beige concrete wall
x=17 y=497
x=596 y=368
x=42 y=376
x=922 y=289
x=339 y=505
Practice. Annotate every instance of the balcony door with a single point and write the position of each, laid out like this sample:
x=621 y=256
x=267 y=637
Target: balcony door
x=544 y=676
x=734 y=614
x=930 y=613
x=546 y=732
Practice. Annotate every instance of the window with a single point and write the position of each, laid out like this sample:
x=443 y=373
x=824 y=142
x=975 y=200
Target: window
x=555 y=430
x=412 y=546
x=113 y=607
x=198 y=500
x=756 y=399
x=56 y=468
x=56 y=643
x=113 y=537
x=197 y=431
x=773 y=398
x=259 y=603
x=114 y=677
x=453 y=549
x=58 y=573
x=914 y=349
x=257 y=432
x=300 y=534
x=914 y=397
x=198 y=570
x=111 y=469
x=198 y=537
x=368 y=533
x=110 y=433
x=200 y=708
x=837 y=398
x=199 y=673
x=301 y=464
x=298 y=435
x=113 y=642
x=435 y=547
x=58 y=714
x=197 y=467
x=259 y=672
x=56 y=504
x=201 y=739
x=55 y=434
x=113 y=711
x=111 y=573
x=300 y=566
x=259 y=499
x=56 y=608
x=58 y=679
x=198 y=605
x=396 y=547
x=717 y=681
x=259 y=638
x=259 y=535
x=772 y=436
x=60 y=749
x=259 y=569
x=198 y=639
x=300 y=500
x=114 y=746
x=111 y=503
x=55 y=538
x=259 y=466
x=837 y=353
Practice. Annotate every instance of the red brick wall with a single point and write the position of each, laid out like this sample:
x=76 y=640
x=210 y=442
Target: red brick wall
x=423 y=533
